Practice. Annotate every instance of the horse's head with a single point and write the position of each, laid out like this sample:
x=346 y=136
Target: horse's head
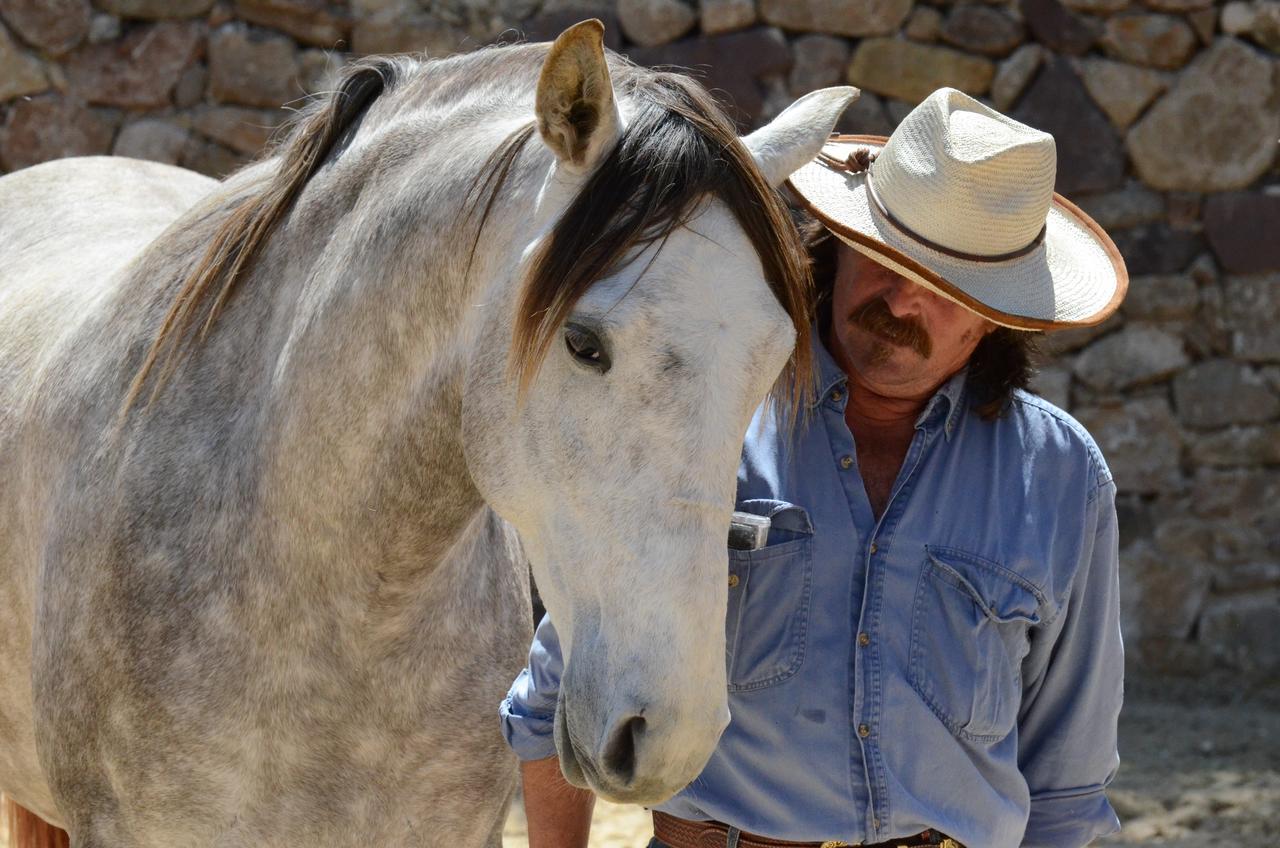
x=655 y=313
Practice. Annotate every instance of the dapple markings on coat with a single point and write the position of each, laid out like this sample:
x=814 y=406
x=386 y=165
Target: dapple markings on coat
x=270 y=601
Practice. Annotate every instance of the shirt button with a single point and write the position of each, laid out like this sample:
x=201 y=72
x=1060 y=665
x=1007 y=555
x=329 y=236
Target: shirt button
x=864 y=639
x=836 y=396
x=846 y=462
x=864 y=731
x=733 y=580
x=874 y=547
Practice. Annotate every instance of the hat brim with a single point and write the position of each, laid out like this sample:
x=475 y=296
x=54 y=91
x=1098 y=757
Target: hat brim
x=1074 y=278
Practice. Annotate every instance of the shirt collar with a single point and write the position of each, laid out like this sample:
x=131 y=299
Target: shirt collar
x=943 y=408
x=827 y=373
x=946 y=404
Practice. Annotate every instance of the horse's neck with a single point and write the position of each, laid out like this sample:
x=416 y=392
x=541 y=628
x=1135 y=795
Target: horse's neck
x=350 y=339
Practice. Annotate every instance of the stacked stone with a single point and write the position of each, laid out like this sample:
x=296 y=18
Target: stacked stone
x=1166 y=115
x=188 y=82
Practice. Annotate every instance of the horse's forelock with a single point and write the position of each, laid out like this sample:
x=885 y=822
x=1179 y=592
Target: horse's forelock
x=678 y=149
x=308 y=141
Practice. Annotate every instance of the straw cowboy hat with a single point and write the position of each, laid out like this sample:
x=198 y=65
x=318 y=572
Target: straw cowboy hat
x=960 y=200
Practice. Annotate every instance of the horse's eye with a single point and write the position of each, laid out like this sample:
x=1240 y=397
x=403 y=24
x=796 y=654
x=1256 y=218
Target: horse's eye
x=585 y=347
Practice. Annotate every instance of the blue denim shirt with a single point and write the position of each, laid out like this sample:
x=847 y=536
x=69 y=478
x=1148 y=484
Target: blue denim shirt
x=956 y=664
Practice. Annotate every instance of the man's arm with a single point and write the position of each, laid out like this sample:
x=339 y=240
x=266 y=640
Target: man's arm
x=1073 y=682
x=558 y=813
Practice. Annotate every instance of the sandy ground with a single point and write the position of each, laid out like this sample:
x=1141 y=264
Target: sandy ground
x=1201 y=767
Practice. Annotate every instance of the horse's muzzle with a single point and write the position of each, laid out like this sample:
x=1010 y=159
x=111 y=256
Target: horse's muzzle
x=612 y=769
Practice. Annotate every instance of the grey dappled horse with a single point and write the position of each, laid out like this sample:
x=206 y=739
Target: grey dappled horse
x=254 y=434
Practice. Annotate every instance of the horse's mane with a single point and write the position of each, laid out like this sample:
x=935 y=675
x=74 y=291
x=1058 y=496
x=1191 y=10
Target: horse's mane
x=678 y=149
x=240 y=237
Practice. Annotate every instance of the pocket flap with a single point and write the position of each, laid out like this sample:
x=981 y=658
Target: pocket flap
x=1001 y=594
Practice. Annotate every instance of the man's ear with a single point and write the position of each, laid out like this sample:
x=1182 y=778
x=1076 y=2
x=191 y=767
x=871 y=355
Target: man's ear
x=577 y=113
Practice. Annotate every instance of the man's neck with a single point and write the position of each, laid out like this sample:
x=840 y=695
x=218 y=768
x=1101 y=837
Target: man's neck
x=883 y=426
x=869 y=410
x=882 y=429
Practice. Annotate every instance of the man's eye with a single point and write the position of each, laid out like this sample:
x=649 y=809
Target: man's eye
x=586 y=348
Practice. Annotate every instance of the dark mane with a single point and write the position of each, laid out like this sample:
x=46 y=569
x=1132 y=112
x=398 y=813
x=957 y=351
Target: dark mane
x=239 y=238
x=677 y=150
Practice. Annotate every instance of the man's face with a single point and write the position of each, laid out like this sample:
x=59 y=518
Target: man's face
x=896 y=337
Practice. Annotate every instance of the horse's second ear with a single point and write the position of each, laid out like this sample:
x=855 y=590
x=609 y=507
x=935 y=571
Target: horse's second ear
x=577 y=113
x=790 y=140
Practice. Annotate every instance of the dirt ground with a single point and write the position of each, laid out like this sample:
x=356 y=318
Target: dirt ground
x=1200 y=767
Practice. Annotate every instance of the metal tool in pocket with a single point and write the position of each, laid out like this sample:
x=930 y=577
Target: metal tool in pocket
x=748 y=531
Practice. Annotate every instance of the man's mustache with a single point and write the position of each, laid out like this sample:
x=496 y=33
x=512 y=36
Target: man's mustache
x=878 y=319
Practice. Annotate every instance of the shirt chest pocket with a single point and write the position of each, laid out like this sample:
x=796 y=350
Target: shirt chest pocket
x=766 y=630
x=970 y=628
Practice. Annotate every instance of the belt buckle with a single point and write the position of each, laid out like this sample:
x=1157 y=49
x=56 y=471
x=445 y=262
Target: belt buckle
x=836 y=843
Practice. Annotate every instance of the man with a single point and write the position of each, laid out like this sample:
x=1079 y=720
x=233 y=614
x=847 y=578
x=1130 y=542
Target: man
x=927 y=650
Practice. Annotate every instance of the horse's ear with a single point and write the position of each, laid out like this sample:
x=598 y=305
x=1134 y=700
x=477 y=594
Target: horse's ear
x=577 y=113
x=790 y=140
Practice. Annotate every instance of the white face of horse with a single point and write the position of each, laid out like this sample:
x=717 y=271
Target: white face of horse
x=619 y=467
x=628 y=462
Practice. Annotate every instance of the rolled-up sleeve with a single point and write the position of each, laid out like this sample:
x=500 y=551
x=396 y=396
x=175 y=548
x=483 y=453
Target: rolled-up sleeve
x=528 y=712
x=1073 y=688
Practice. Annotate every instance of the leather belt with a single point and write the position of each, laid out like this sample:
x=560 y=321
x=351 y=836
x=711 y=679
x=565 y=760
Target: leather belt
x=682 y=833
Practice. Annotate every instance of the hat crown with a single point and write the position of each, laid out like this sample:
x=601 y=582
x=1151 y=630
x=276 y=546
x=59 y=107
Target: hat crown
x=966 y=177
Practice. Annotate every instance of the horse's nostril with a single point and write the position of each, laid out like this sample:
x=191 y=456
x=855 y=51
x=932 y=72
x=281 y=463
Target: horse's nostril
x=620 y=752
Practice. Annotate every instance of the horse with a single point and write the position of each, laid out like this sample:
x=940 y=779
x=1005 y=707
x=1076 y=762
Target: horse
x=278 y=450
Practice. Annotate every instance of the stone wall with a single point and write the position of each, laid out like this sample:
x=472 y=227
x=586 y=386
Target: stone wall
x=1166 y=114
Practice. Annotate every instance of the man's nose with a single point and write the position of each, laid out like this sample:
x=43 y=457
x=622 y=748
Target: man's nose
x=905 y=298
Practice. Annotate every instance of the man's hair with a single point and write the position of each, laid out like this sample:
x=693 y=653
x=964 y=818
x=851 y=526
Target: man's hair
x=1002 y=362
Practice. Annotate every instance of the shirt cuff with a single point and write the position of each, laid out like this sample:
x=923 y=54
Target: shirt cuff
x=528 y=730
x=1069 y=821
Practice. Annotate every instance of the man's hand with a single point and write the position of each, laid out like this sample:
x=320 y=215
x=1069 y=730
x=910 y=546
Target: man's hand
x=558 y=814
